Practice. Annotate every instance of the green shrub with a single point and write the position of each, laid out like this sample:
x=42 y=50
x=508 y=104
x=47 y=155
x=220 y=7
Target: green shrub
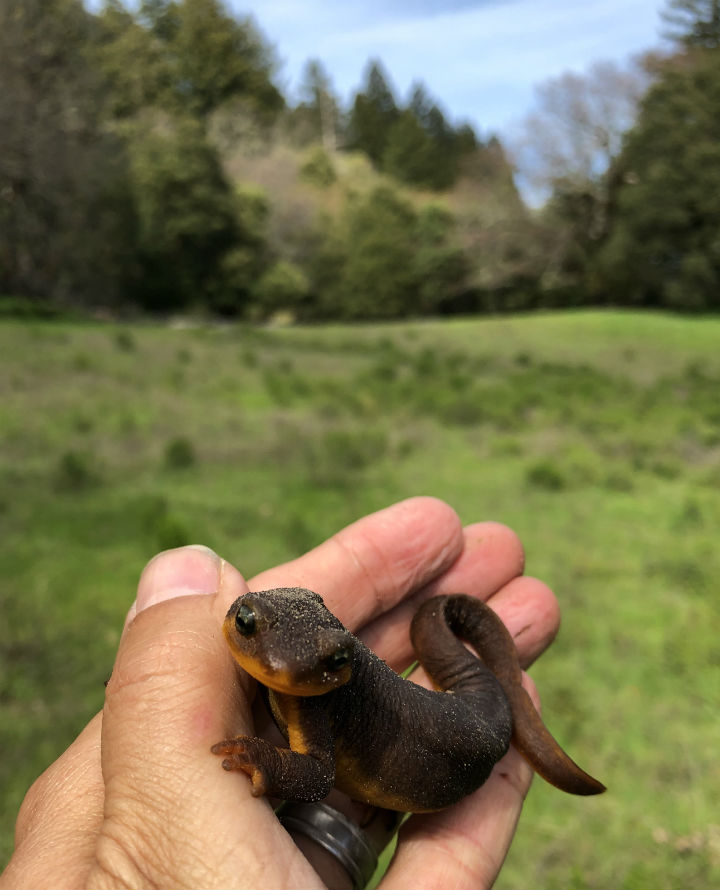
x=318 y=168
x=179 y=454
x=75 y=472
x=283 y=286
x=125 y=341
x=545 y=474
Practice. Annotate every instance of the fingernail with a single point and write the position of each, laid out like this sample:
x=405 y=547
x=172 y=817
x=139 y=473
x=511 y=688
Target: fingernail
x=187 y=571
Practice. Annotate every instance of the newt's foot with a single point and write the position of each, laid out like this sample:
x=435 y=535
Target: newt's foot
x=239 y=758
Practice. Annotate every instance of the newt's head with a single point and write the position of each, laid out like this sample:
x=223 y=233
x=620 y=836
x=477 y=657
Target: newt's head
x=289 y=641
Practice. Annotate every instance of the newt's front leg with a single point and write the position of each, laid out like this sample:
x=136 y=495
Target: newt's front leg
x=278 y=771
x=307 y=772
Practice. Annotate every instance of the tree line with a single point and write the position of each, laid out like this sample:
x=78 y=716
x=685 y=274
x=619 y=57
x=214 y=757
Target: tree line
x=136 y=175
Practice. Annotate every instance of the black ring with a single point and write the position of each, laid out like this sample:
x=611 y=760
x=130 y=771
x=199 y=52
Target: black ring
x=334 y=832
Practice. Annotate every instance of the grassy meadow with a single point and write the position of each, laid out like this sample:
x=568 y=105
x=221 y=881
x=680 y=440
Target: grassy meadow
x=596 y=435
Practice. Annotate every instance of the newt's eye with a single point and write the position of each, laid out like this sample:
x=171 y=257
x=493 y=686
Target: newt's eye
x=245 y=621
x=339 y=659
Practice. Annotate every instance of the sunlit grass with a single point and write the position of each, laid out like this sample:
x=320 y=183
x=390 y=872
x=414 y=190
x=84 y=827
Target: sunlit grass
x=595 y=435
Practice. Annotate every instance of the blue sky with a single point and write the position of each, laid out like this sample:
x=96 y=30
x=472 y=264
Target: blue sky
x=479 y=58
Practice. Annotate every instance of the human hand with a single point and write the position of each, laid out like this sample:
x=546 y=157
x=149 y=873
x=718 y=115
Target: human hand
x=137 y=800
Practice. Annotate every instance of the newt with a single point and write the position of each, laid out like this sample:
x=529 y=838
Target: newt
x=353 y=723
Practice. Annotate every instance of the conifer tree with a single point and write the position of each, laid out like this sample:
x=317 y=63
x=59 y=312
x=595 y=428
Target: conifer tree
x=663 y=248
x=373 y=113
x=694 y=23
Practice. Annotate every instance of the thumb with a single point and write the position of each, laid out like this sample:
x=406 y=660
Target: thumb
x=63 y=812
x=172 y=816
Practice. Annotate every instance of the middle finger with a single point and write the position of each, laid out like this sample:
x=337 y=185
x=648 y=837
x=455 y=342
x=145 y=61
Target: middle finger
x=368 y=567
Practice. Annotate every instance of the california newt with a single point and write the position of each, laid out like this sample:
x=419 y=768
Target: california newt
x=352 y=722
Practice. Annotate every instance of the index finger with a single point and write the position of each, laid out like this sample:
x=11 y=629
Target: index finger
x=369 y=566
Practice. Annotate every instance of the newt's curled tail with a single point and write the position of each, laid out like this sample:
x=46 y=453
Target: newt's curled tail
x=435 y=631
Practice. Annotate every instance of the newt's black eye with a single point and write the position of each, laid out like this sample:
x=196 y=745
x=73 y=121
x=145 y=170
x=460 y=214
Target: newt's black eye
x=245 y=621
x=339 y=659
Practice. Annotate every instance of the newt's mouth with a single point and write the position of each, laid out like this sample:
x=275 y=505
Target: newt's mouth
x=279 y=679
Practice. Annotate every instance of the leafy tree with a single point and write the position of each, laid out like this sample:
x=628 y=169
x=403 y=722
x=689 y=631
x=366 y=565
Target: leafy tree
x=132 y=60
x=441 y=265
x=161 y=18
x=567 y=155
x=374 y=111
x=694 y=23
x=323 y=261
x=664 y=247
x=391 y=261
x=187 y=56
x=218 y=57
x=65 y=221
x=572 y=138
x=378 y=279
x=190 y=228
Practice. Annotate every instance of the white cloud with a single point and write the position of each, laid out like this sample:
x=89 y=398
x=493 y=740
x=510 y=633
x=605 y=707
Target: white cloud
x=480 y=59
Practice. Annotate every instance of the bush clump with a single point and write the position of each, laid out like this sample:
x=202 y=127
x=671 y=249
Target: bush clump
x=179 y=454
x=546 y=475
x=75 y=472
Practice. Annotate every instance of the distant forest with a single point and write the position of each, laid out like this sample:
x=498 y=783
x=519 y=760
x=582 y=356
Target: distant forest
x=149 y=163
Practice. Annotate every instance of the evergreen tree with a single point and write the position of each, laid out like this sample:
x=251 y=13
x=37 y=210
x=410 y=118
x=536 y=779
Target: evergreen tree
x=664 y=247
x=318 y=113
x=466 y=138
x=373 y=113
x=409 y=155
x=694 y=23
x=421 y=148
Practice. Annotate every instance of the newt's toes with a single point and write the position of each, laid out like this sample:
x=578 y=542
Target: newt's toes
x=238 y=760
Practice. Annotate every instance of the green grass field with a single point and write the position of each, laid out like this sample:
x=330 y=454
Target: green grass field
x=595 y=435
